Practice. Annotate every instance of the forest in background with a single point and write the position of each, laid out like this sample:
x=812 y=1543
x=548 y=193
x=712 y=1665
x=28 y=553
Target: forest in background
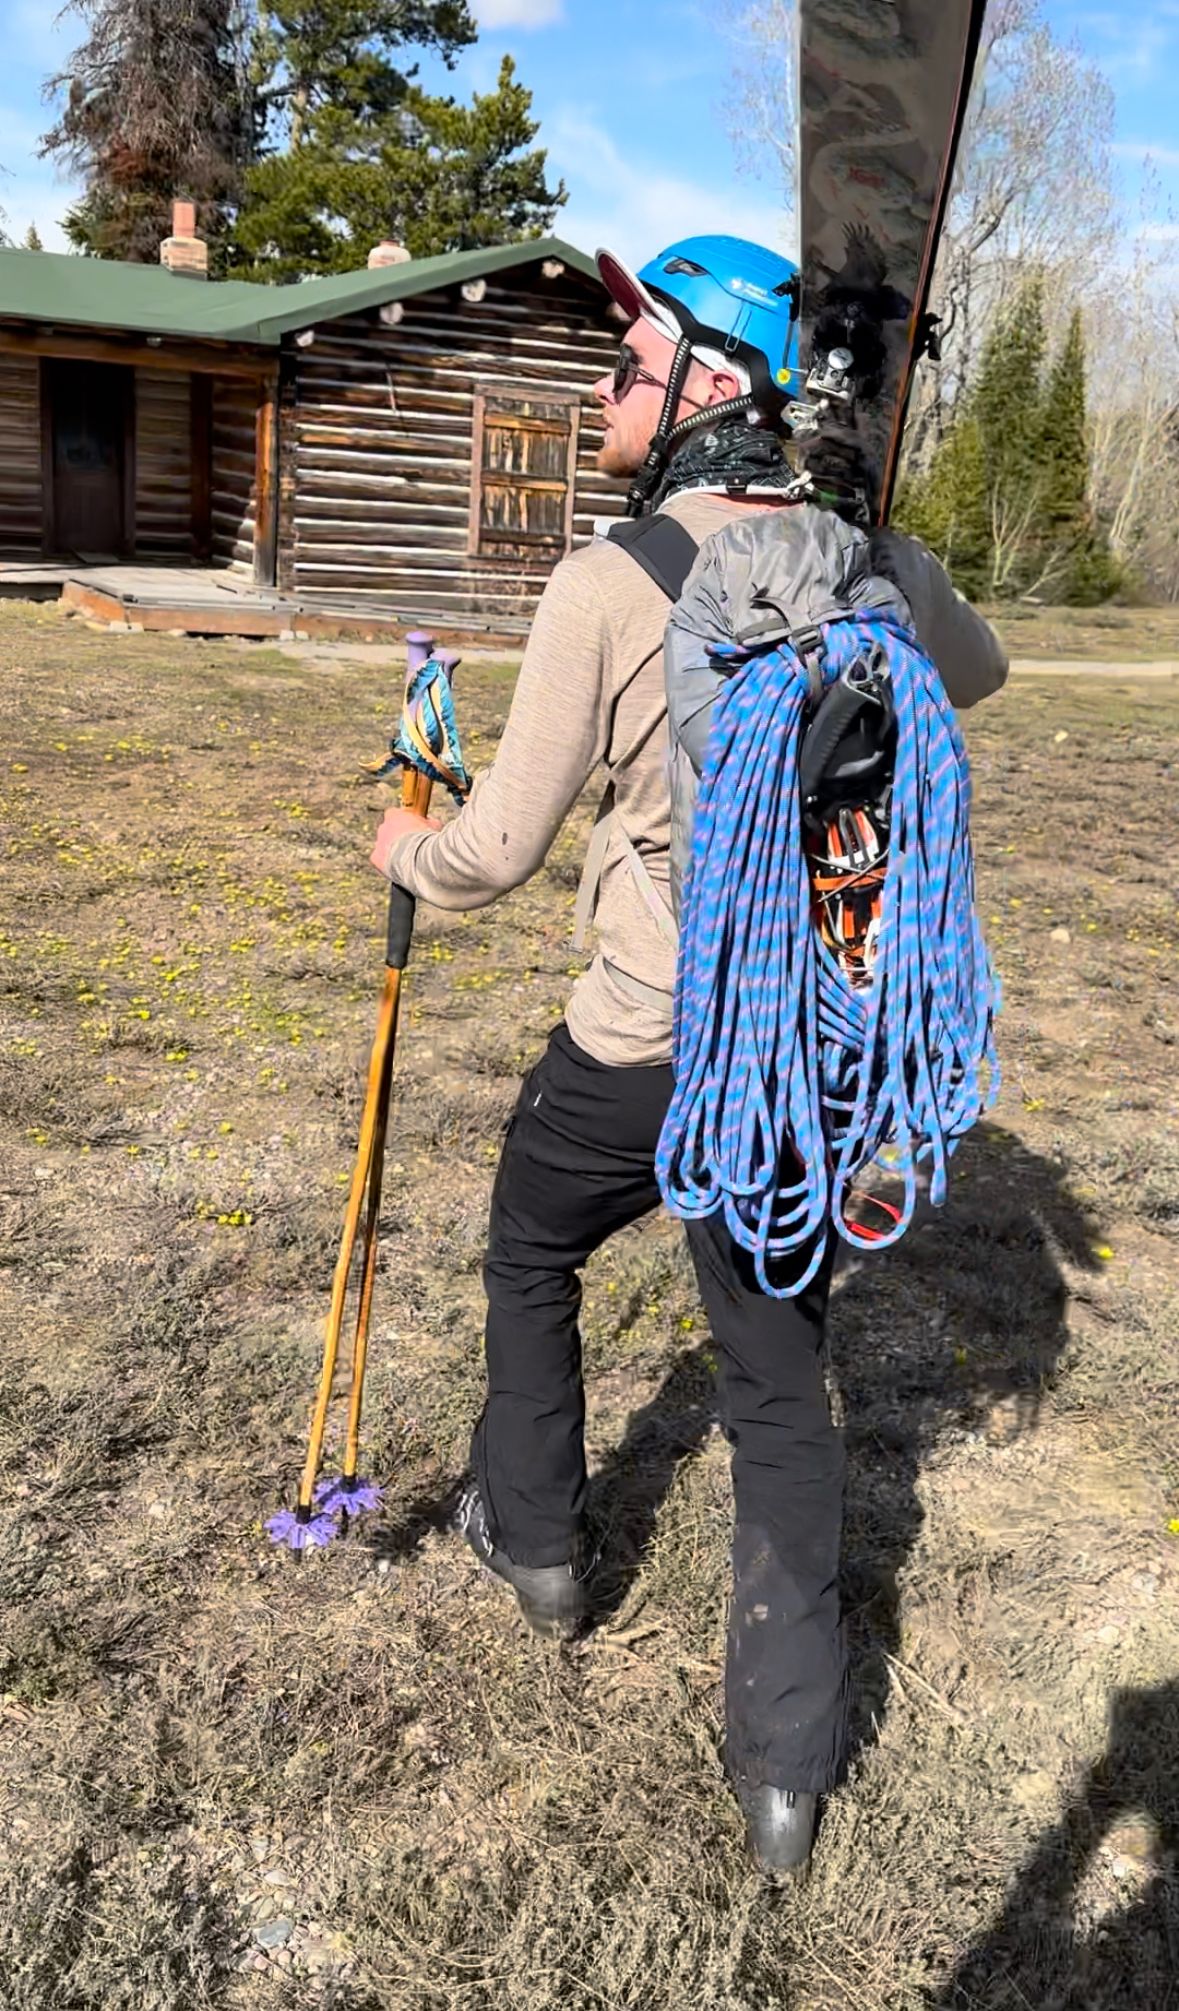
x=1042 y=453
x=300 y=129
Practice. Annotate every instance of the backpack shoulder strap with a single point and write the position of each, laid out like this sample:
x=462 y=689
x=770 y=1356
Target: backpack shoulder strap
x=664 y=549
x=667 y=553
x=608 y=823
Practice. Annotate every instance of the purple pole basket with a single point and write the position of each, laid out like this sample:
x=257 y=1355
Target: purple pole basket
x=337 y=1495
x=297 y=1532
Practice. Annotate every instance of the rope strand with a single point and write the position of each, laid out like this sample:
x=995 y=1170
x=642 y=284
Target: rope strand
x=790 y=1082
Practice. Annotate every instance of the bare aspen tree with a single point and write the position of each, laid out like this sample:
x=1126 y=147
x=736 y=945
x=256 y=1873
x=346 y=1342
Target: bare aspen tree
x=763 y=99
x=1133 y=334
x=1035 y=195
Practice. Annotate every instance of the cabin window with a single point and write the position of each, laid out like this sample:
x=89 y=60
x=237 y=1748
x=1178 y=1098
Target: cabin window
x=524 y=466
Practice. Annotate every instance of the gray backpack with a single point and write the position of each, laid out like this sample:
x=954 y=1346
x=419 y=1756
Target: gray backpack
x=769 y=577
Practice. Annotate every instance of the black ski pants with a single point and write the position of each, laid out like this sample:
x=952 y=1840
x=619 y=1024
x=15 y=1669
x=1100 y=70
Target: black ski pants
x=577 y=1164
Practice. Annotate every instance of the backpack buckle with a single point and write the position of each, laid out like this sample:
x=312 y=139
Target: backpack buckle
x=807 y=644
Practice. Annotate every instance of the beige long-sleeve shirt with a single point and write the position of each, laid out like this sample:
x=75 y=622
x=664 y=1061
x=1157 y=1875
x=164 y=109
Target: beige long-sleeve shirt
x=590 y=693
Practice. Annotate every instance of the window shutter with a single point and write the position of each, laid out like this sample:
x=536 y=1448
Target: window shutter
x=524 y=465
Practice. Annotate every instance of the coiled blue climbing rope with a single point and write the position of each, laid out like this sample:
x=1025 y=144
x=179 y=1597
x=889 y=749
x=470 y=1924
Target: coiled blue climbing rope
x=789 y=1081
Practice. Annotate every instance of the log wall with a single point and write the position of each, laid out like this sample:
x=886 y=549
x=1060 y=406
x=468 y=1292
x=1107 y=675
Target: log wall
x=376 y=470
x=21 y=499
x=234 y=410
x=163 y=465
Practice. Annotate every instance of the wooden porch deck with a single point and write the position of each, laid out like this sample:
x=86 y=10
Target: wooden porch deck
x=196 y=600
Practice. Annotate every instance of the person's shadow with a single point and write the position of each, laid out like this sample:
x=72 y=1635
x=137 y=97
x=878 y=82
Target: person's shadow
x=625 y=1494
x=1053 y=1947
x=959 y=1328
x=630 y=1487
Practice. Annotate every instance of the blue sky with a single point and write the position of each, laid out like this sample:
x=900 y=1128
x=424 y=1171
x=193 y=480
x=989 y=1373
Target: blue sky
x=632 y=96
x=1138 y=49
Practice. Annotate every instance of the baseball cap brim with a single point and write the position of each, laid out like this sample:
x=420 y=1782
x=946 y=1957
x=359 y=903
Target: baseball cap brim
x=632 y=296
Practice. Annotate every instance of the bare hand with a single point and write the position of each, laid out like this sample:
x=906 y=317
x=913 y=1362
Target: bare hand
x=395 y=825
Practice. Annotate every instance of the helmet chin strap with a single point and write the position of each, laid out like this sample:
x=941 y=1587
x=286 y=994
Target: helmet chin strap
x=646 y=478
x=669 y=433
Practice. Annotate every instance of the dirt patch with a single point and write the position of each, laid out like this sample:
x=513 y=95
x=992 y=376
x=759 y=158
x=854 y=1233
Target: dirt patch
x=226 y=1780
x=1109 y=634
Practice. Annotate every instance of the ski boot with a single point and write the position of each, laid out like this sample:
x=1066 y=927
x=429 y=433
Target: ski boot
x=554 y=1598
x=780 y=1825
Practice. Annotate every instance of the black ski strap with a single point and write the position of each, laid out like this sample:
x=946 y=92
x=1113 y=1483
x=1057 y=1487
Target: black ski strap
x=664 y=549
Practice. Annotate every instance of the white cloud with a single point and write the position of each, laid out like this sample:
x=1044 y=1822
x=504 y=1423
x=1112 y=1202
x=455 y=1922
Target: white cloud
x=518 y=13
x=1140 y=53
x=620 y=200
x=31 y=190
x=43 y=36
x=35 y=199
x=1146 y=150
x=1158 y=233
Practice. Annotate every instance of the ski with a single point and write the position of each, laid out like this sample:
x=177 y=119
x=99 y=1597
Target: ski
x=883 y=90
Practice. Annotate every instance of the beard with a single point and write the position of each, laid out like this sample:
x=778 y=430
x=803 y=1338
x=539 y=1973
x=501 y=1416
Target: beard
x=614 y=458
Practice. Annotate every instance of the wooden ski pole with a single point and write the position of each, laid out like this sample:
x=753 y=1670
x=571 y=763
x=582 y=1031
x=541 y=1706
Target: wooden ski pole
x=369 y=1155
x=369 y=1164
x=416 y=790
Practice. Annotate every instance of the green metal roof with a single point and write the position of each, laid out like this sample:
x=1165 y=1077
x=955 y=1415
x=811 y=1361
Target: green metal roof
x=64 y=291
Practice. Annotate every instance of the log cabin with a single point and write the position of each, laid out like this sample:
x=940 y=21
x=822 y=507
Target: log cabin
x=416 y=437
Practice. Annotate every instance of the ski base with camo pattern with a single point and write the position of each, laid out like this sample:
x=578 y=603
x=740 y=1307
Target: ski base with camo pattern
x=883 y=90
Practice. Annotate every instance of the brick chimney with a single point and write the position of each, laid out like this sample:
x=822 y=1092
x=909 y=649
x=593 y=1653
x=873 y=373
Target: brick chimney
x=387 y=253
x=184 y=252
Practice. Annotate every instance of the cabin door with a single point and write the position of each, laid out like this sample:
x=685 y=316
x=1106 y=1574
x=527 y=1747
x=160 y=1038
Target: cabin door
x=88 y=423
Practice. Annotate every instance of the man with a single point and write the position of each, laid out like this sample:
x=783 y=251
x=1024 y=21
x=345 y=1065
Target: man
x=693 y=416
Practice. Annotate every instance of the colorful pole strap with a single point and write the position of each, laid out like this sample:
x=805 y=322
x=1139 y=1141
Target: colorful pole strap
x=427 y=737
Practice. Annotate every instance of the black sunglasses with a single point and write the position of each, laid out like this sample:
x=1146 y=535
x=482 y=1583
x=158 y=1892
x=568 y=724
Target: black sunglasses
x=628 y=371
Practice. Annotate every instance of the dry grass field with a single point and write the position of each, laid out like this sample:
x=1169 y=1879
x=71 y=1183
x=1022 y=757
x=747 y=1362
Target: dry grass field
x=230 y=1781
x=1110 y=634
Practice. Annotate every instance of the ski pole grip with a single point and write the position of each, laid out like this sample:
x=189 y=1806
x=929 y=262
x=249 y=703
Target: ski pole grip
x=415 y=795
x=419 y=647
x=399 y=928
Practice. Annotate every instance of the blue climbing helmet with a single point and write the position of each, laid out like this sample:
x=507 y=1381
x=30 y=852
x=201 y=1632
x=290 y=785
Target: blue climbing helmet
x=725 y=295
x=724 y=302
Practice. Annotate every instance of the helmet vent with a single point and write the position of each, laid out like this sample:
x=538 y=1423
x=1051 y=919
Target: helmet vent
x=685 y=265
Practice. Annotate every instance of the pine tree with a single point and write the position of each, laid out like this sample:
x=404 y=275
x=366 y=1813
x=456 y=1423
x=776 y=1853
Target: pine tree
x=976 y=504
x=1004 y=500
x=479 y=180
x=331 y=79
x=156 y=105
x=360 y=152
x=1062 y=433
x=314 y=54
x=1006 y=403
x=1084 y=566
x=949 y=507
x=33 y=239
